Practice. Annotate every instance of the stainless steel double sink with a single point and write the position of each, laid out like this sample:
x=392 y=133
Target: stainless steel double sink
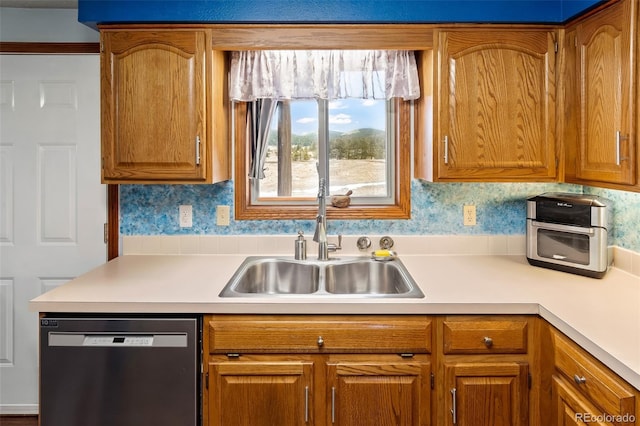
x=260 y=276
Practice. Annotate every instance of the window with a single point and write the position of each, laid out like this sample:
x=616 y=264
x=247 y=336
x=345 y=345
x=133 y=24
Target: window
x=306 y=115
x=252 y=205
x=349 y=142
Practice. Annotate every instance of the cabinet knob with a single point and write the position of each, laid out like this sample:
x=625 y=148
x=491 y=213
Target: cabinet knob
x=488 y=342
x=320 y=341
x=580 y=380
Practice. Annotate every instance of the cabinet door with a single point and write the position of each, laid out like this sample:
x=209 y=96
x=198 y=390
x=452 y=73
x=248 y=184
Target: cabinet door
x=496 y=115
x=260 y=392
x=606 y=147
x=153 y=105
x=385 y=390
x=571 y=409
x=486 y=394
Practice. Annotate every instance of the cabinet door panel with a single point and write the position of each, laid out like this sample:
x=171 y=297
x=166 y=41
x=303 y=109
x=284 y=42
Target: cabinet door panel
x=606 y=147
x=496 y=116
x=486 y=394
x=260 y=393
x=154 y=104
x=381 y=393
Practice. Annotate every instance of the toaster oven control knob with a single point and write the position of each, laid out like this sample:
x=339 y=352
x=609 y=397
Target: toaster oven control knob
x=488 y=342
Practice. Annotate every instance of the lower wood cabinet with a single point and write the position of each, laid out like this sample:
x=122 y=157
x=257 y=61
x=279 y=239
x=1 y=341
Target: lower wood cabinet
x=260 y=391
x=267 y=390
x=570 y=408
x=379 y=391
x=487 y=393
x=585 y=391
x=485 y=363
x=404 y=370
x=317 y=370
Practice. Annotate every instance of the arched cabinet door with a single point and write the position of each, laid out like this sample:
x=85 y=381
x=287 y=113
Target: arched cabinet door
x=496 y=105
x=606 y=149
x=162 y=101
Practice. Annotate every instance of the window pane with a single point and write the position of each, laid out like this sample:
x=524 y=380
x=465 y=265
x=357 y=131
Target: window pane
x=296 y=168
x=358 y=147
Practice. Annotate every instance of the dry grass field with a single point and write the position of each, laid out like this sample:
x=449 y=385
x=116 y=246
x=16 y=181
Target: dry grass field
x=364 y=177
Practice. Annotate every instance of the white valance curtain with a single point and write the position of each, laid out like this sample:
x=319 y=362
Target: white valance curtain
x=323 y=74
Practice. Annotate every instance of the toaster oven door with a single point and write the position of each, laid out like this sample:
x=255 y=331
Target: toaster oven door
x=565 y=246
x=576 y=249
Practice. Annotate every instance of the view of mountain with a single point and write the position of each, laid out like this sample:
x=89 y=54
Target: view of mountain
x=356 y=144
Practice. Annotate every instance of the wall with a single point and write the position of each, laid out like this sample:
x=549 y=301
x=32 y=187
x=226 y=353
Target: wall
x=436 y=210
x=44 y=25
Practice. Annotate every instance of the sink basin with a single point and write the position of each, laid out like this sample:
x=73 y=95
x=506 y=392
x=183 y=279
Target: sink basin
x=370 y=277
x=273 y=276
x=338 y=277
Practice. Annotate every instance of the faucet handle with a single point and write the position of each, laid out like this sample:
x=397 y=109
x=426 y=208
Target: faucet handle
x=335 y=247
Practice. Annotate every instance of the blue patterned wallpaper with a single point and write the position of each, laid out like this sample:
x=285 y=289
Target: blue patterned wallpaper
x=436 y=210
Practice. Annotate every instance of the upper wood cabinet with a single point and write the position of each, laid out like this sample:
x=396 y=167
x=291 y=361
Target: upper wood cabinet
x=163 y=110
x=603 y=134
x=494 y=101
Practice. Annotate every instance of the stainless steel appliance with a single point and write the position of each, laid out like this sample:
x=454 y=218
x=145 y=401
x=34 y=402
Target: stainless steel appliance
x=127 y=371
x=569 y=232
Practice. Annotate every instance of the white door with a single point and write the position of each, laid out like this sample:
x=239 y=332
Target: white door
x=53 y=206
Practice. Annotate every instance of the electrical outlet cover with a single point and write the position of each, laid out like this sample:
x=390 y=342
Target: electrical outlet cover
x=469 y=215
x=186 y=216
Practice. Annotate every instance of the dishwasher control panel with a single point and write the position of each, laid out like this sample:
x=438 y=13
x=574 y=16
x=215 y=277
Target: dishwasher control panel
x=117 y=341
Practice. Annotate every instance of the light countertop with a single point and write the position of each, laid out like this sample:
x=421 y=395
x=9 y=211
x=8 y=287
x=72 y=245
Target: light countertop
x=601 y=315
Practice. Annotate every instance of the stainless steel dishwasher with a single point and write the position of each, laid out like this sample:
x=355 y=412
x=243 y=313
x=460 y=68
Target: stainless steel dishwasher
x=120 y=371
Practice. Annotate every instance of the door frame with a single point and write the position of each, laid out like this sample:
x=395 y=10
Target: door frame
x=112 y=235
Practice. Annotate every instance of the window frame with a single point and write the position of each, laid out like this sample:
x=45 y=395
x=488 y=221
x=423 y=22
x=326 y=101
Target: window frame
x=400 y=209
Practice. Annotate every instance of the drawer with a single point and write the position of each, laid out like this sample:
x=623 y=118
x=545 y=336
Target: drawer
x=600 y=386
x=485 y=336
x=325 y=334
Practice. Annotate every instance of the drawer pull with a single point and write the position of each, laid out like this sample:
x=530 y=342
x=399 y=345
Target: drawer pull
x=580 y=380
x=320 y=341
x=488 y=342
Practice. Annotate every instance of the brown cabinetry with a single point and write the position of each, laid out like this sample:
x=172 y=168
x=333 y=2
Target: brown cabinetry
x=378 y=390
x=163 y=110
x=602 y=138
x=354 y=370
x=265 y=391
x=318 y=370
x=584 y=391
x=486 y=370
x=495 y=105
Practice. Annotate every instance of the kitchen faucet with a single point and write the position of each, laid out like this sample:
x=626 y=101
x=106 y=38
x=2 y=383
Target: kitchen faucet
x=320 y=235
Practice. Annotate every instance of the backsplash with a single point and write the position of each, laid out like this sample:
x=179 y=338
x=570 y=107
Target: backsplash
x=436 y=210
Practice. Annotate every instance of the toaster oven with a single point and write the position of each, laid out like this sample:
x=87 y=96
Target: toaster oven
x=570 y=233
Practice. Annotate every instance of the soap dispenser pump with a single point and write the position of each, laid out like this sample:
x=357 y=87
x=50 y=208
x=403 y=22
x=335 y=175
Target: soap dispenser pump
x=301 y=247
